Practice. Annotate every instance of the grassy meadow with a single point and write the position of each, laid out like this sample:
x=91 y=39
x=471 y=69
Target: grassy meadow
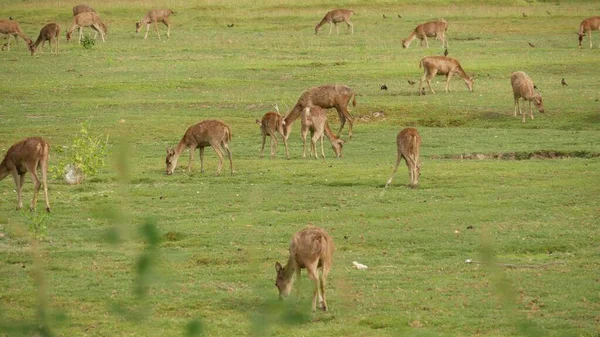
x=134 y=252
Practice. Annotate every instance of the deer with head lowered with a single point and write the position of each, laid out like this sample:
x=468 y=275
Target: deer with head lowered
x=27 y=156
x=523 y=87
x=271 y=123
x=326 y=97
x=334 y=17
x=314 y=119
x=155 y=16
x=12 y=28
x=82 y=9
x=49 y=32
x=409 y=144
x=435 y=29
x=442 y=65
x=311 y=248
x=87 y=19
x=206 y=133
x=586 y=27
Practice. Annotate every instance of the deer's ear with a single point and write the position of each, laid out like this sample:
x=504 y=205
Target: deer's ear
x=278 y=266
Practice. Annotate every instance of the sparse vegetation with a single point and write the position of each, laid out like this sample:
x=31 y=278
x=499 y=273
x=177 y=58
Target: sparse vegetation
x=204 y=262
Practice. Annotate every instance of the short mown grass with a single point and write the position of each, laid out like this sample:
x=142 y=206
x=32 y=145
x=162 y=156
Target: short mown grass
x=134 y=252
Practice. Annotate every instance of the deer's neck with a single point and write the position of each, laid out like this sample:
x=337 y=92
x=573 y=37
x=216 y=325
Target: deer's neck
x=4 y=171
x=293 y=115
x=289 y=270
x=180 y=147
x=329 y=133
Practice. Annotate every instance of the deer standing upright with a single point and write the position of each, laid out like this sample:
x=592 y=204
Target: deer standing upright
x=206 y=133
x=523 y=87
x=334 y=17
x=311 y=248
x=409 y=144
x=27 y=156
x=314 y=119
x=155 y=16
x=49 y=32
x=271 y=123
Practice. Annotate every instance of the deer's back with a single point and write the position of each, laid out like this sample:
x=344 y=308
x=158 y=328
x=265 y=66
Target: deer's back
x=326 y=96
x=271 y=121
x=26 y=151
x=9 y=26
x=82 y=9
x=312 y=244
x=206 y=132
x=409 y=141
x=86 y=18
x=49 y=31
x=158 y=14
x=441 y=63
x=339 y=15
x=522 y=84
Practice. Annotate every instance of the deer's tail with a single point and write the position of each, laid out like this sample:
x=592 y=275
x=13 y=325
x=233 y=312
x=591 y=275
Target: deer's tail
x=353 y=99
x=228 y=134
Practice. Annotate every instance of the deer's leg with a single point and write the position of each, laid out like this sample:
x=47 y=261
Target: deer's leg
x=273 y=144
x=516 y=105
x=448 y=78
x=19 y=181
x=323 y=280
x=217 y=148
x=590 y=35
x=56 y=39
x=350 y=26
x=285 y=142
x=344 y=116
x=426 y=42
x=314 y=276
x=80 y=34
x=32 y=168
x=304 y=132
x=156 y=26
x=189 y=167
x=201 y=159
x=410 y=163
x=530 y=110
x=322 y=150
x=337 y=29
x=389 y=182
x=166 y=22
x=226 y=147
x=262 y=148
x=330 y=27
x=147 y=29
x=429 y=81
x=44 y=167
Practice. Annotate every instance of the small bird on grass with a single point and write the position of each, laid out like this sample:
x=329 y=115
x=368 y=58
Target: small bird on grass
x=423 y=92
x=548 y=12
x=446 y=52
x=10 y=18
x=399 y=16
x=384 y=16
x=563 y=82
x=411 y=82
x=524 y=15
x=531 y=45
x=535 y=87
x=384 y=87
x=231 y=25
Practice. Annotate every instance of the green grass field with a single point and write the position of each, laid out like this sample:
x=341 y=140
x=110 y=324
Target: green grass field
x=134 y=252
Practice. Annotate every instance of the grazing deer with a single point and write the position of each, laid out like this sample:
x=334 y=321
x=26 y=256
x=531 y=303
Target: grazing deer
x=311 y=248
x=27 y=155
x=206 y=133
x=408 y=142
x=334 y=17
x=326 y=97
x=435 y=29
x=10 y=27
x=442 y=65
x=587 y=26
x=314 y=119
x=155 y=16
x=49 y=32
x=522 y=86
x=87 y=19
x=82 y=9
x=270 y=124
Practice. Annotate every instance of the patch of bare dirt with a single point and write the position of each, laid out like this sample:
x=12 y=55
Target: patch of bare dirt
x=542 y=154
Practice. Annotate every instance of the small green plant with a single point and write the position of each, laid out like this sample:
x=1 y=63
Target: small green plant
x=87 y=42
x=84 y=158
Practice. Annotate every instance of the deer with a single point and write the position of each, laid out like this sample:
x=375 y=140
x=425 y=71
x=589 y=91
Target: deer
x=442 y=65
x=49 y=32
x=155 y=16
x=87 y=19
x=586 y=26
x=11 y=27
x=409 y=143
x=326 y=97
x=334 y=17
x=522 y=86
x=314 y=119
x=311 y=248
x=28 y=155
x=271 y=123
x=82 y=9
x=435 y=29
x=208 y=132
